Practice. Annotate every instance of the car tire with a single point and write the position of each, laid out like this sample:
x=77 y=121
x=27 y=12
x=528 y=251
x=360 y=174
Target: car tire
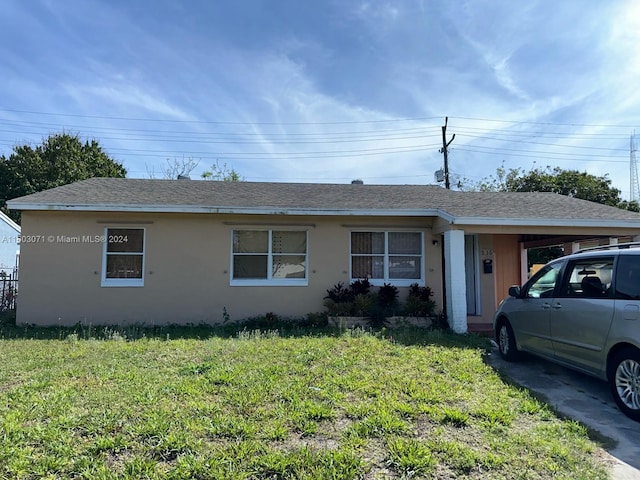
x=506 y=342
x=624 y=380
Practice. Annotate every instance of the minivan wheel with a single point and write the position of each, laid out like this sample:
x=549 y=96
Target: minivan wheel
x=507 y=342
x=624 y=379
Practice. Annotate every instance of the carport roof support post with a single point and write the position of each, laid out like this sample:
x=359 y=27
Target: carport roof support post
x=455 y=282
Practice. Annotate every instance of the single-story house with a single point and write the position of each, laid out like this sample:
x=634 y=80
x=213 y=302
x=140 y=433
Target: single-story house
x=9 y=245
x=118 y=251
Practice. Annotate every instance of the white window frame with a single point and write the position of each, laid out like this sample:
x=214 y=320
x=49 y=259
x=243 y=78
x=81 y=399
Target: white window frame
x=122 y=282
x=269 y=281
x=398 y=282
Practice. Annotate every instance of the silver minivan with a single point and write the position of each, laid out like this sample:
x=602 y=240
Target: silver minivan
x=581 y=311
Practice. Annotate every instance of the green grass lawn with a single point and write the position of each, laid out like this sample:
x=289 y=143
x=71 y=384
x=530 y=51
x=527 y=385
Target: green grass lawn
x=269 y=405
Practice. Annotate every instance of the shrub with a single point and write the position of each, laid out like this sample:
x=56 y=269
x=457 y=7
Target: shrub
x=419 y=303
x=266 y=321
x=340 y=294
x=388 y=296
x=422 y=293
x=8 y=318
x=364 y=304
x=441 y=322
x=414 y=307
x=352 y=300
x=314 y=320
x=386 y=305
x=361 y=287
x=338 y=309
x=358 y=300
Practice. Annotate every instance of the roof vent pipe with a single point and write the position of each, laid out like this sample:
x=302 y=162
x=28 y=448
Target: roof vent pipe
x=357 y=182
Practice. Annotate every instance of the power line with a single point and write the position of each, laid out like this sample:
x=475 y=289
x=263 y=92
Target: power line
x=550 y=153
x=344 y=122
x=524 y=122
x=350 y=134
x=394 y=137
x=537 y=133
x=283 y=155
x=541 y=156
x=212 y=122
x=161 y=138
x=546 y=144
x=273 y=155
x=142 y=131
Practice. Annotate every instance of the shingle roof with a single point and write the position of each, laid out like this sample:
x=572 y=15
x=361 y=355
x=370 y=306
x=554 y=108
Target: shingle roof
x=199 y=195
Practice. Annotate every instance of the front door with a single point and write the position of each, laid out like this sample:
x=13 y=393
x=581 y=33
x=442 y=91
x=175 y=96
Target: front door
x=471 y=273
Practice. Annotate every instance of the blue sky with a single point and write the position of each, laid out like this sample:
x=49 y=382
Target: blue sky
x=328 y=91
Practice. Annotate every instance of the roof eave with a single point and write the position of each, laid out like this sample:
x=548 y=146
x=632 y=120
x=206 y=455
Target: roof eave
x=273 y=210
x=230 y=210
x=547 y=222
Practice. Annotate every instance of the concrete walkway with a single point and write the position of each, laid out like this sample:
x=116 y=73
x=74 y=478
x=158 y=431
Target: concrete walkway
x=582 y=398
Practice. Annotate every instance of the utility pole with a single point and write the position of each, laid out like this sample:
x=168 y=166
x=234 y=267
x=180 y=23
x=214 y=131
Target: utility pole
x=635 y=185
x=444 y=151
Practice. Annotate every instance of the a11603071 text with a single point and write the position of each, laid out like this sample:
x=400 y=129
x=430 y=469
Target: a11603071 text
x=18 y=239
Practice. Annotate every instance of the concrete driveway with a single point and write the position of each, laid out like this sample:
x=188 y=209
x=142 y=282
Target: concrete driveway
x=582 y=398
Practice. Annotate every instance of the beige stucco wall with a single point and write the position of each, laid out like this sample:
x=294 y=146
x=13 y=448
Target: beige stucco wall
x=187 y=263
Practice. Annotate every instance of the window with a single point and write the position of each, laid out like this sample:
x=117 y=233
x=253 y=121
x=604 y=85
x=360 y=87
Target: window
x=588 y=278
x=628 y=277
x=123 y=257
x=381 y=257
x=269 y=257
x=544 y=283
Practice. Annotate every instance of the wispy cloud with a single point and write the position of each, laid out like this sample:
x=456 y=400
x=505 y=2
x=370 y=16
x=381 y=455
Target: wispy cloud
x=126 y=97
x=290 y=90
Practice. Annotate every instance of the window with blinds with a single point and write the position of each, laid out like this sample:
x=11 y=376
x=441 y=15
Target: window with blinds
x=391 y=257
x=123 y=257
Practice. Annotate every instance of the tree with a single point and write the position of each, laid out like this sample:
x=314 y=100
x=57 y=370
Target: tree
x=572 y=183
x=222 y=173
x=179 y=168
x=542 y=255
x=175 y=169
x=632 y=205
x=60 y=159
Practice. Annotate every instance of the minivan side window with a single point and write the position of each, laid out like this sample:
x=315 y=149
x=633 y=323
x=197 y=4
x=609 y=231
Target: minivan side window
x=588 y=278
x=544 y=282
x=628 y=277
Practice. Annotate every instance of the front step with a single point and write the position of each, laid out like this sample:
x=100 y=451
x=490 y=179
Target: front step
x=482 y=329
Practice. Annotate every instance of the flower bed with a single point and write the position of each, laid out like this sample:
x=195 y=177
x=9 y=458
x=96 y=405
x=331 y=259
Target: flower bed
x=357 y=305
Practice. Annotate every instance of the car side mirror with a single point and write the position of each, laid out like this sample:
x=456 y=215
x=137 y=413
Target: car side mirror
x=514 y=291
